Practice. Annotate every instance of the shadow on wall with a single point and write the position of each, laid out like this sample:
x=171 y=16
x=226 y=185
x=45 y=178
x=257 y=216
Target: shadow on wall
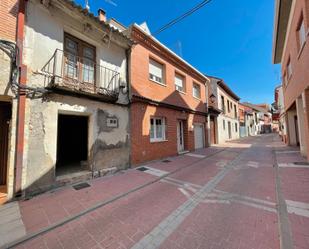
x=142 y=149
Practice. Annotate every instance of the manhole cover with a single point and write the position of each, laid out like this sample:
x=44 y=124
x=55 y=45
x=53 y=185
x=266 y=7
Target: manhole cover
x=142 y=169
x=301 y=163
x=166 y=161
x=81 y=185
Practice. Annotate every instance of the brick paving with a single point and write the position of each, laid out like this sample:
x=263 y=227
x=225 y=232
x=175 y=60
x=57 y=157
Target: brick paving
x=227 y=199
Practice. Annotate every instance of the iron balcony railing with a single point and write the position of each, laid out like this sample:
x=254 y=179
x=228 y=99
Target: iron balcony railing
x=80 y=74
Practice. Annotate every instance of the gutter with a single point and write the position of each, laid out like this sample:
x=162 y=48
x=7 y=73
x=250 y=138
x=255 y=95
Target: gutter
x=21 y=98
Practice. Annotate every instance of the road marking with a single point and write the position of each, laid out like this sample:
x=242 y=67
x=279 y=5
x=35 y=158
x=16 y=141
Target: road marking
x=162 y=231
x=287 y=152
x=291 y=165
x=195 y=155
x=298 y=208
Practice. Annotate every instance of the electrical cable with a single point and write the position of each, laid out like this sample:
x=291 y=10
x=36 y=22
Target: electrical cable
x=181 y=17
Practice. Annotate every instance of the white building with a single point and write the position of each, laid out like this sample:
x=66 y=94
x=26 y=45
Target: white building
x=227 y=122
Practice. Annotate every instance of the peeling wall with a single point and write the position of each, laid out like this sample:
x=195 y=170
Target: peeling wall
x=107 y=147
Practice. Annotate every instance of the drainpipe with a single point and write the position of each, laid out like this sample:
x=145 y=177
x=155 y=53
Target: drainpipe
x=21 y=98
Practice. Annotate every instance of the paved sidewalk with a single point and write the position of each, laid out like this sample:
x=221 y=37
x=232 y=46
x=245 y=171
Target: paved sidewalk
x=219 y=197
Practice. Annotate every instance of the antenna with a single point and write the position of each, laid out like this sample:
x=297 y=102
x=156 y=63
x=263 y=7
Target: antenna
x=87 y=5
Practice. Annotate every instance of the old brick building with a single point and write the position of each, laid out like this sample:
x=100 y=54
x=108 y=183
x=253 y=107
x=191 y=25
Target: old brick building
x=8 y=104
x=290 y=48
x=168 y=111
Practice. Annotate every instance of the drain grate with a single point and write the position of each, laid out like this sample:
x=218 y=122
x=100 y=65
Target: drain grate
x=142 y=169
x=166 y=161
x=81 y=186
x=301 y=163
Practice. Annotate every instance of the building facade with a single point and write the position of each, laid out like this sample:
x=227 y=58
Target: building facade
x=8 y=101
x=290 y=48
x=76 y=109
x=279 y=102
x=246 y=121
x=169 y=104
x=225 y=107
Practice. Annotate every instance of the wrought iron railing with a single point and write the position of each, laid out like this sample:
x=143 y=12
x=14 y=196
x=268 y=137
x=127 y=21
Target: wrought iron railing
x=80 y=74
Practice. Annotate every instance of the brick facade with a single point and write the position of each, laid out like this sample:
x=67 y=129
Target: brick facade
x=151 y=99
x=142 y=149
x=299 y=57
x=8 y=16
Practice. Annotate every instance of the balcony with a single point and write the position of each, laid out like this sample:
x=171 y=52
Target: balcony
x=69 y=73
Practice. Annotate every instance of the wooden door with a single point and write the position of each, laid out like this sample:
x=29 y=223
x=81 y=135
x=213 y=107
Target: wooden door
x=213 y=132
x=5 y=116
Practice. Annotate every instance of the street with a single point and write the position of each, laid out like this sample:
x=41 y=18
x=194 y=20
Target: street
x=218 y=197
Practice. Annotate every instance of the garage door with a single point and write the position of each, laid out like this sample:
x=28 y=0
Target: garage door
x=199 y=136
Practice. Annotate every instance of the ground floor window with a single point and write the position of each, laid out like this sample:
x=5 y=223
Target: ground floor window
x=157 y=129
x=236 y=127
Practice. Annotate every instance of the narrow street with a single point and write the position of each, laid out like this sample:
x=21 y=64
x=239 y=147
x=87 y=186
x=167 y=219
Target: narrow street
x=218 y=197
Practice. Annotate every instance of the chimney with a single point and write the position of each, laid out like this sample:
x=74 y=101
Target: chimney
x=102 y=15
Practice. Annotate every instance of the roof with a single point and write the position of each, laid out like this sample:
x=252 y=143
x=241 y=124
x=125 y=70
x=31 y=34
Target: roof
x=92 y=17
x=144 y=29
x=225 y=87
x=255 y=107
x=282 y=13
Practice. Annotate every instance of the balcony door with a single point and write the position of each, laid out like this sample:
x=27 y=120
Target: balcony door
x=79 y=61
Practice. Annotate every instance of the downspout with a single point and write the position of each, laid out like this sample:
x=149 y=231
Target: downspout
x=21 y=98
x=129 y=94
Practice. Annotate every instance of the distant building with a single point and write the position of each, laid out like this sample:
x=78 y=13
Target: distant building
x=291 y=49
x=226 y=108
x=279 y=104
x=246 y=121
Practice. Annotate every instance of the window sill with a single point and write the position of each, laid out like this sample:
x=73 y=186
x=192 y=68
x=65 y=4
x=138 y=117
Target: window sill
x=301 y=50
x=158 y=141
x=159 y=83
x=182 y=92
x=197 y=98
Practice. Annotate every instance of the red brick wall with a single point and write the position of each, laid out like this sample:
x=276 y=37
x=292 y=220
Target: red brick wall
x=299 y=59
x=142 y=149
x=8 y=17
x=306 y=125
x=141 y=85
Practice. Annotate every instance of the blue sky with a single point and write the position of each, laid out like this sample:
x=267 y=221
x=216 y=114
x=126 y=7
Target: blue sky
x=228 y=39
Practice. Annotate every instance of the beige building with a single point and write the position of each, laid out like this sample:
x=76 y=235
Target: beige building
x=225 y=123
x=77 y=114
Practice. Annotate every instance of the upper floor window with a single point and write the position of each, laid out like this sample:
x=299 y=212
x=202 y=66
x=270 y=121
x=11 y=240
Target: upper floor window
x=301 y=33
x=156 y=71
x=179 y=82
x=157 y=129
x=289 y=69
x=228 y=106
x=222 y=104
x=79 y=58
x=196 y=90
x=235 y=111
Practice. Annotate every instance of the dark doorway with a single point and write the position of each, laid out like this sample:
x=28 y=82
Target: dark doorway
x=229 y=129
x=296 y=130
x=5 y=117
x=72 y=144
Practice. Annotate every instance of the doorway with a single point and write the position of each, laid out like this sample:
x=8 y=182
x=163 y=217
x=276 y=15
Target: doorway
x=296 y=130
x=5 y=118
x=229 y=129
x=213 y=131
x=180 y=136
x=72 y=144
x=198 y=136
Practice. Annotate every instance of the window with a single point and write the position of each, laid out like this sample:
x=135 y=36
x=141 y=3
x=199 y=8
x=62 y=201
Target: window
x=228 y=106
x=223 y=124
x=196 y=90
x=289 y=69
x=156 y=71
x=235 y=111
x=79 y=59
x=179 y=83
x=157 y=129
x=301 y=33
x=222 y=104
x=235 y=127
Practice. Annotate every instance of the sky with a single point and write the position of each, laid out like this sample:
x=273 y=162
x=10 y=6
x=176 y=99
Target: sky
x=229 y=39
